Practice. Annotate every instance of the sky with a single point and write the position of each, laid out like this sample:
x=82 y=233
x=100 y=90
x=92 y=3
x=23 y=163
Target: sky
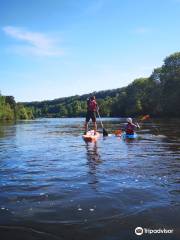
x=57 y=48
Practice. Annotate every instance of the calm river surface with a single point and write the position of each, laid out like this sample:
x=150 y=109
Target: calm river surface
x=53 y=185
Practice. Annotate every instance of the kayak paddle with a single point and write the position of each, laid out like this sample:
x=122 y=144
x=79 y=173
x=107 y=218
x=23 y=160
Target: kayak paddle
x=119 y=131
x=145 y=117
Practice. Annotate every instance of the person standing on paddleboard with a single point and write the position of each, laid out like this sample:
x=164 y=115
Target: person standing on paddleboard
x=130 y=127
x=91 y=113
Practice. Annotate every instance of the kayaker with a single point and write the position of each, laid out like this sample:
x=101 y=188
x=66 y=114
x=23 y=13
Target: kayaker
x=130 y=126
x=91 y=113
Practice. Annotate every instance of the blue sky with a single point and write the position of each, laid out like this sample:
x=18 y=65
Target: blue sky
x=56 y=48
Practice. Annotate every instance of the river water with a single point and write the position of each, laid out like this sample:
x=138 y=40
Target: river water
x=53 y=185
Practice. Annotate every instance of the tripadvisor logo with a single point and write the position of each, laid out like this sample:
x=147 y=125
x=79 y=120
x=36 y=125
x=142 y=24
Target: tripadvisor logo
x=139 y=231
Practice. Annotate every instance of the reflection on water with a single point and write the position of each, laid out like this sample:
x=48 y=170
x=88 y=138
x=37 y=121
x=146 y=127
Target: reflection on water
x=93 y=160
x=52 y=182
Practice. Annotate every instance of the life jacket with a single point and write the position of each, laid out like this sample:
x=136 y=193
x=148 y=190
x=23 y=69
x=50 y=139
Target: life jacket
x=129 y=129
x=91 y=105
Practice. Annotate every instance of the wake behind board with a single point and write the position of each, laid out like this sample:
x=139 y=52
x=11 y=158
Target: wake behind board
x=90 y=137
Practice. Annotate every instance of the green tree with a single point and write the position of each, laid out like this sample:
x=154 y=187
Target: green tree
x=21 y=112
x=170 y=80
x=62 y=111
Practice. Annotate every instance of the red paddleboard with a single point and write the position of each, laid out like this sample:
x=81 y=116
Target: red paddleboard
x=90 y=137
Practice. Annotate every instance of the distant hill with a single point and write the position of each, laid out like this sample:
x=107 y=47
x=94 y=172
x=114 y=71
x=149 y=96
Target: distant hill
x=72 y=106
x=99 y=95
x=158 y=95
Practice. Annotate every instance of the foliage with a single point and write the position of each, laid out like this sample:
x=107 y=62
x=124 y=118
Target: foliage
x=9 y=110
x=157 y=95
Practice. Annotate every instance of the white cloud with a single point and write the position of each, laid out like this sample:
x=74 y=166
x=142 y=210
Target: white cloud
x=34 y=43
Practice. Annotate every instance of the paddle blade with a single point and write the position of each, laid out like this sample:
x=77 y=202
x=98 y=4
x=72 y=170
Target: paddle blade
x=145 y=117
x=118 y=132
x=105 y=133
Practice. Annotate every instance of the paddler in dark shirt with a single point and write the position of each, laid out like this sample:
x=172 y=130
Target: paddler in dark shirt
x=91 y=113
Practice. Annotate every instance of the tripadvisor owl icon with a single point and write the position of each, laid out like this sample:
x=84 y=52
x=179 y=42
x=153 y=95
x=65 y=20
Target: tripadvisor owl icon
x=139 y=231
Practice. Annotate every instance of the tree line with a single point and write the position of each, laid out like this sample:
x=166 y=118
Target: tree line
x=157 y=95
x=10 y=110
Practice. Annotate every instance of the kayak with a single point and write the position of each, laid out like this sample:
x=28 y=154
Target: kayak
x=90 y=137
x=129 y=136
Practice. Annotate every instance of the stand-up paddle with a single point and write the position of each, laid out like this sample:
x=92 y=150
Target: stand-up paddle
x=105 y=133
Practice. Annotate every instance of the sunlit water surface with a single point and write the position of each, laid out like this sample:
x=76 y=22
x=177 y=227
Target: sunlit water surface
x=56 y=186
